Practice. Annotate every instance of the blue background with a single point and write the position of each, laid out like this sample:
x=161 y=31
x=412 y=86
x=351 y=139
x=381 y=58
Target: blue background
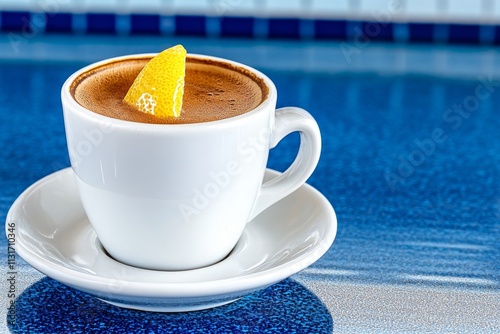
x=408 y=216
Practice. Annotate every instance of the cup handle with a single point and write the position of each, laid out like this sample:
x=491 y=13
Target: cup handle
x=288 y=120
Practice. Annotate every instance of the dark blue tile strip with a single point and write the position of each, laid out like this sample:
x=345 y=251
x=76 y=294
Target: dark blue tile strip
x=421 y=32
x=123 y=24
x=237 y=26
x=167 y=24
x=441 y=32
x=15 y=21
x=487 y=34
x=79 y=23
x=330 y=29
x=464 y=33
x=260 y=27
x=496 y=38
x=212 y=26
x=354 y=31
x=59 y=22
x=284 y=28
x=251 y=27
x=101 y=23
x=194 y=25
x=400 y=32
x=307 y=29
x=496 y=35
x=381 y=31
x=145 y=24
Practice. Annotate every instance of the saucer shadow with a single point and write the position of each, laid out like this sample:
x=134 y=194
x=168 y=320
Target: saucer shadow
x=51 y=307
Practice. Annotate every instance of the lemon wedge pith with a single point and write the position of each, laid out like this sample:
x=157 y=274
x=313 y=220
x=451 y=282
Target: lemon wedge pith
x=159 y=87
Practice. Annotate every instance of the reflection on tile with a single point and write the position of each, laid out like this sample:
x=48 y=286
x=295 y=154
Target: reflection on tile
x=49 y=306
x=450 y=279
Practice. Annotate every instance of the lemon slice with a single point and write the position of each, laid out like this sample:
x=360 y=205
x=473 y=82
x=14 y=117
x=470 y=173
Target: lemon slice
x=159 y=87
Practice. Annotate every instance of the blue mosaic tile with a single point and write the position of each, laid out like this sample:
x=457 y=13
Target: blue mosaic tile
x=354 y=29
x=167 y=24
x=441 y=32
x=287 y=307
x=421 y=32
x=260 y=27
x=487 y=34
x=101 y=23
x=400 y=32
x=237 y=26
x=284 y=28
x=379 y=124
x=496 y=39
x=212 y=26
x=330 y=29
x=194 y=25
x=123 y=24
x=250 y=27
x=464 y=33
x=378 y=30
x=367 y=30
x=145 y=24
x=79 y=24
x=59 y=22
x=307 y=29
x=15 y=21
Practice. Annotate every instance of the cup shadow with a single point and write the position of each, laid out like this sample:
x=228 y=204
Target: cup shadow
x=51 y=307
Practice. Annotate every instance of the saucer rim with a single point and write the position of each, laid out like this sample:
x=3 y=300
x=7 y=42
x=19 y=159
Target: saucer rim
x=225 y=286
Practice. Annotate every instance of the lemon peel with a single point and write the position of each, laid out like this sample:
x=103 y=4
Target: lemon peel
x=159 y=87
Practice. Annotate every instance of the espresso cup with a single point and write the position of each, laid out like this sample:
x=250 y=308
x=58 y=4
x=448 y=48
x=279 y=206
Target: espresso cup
x=178 y=196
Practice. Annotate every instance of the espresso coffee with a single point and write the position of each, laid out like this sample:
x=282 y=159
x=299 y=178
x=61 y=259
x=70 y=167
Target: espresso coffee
x=213 y=90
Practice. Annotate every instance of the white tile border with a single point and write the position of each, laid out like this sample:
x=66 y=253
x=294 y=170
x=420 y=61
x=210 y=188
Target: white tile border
x=17 y=4
x=431 y=11
x=235 y=7
x=290 y=8
x=329 y=8
x=192 y=7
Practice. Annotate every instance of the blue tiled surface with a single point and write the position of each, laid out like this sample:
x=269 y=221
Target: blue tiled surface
x=15 y=21
x=378 y=31
x=421 y=32
x=192 y=25
x=247 y=26
x=145 y=24
x=237 y=26
x=497 y=35
x=59 y=22
x=460 y=33
x=416 y=210
x=284 y=28
x=101 y=23
x=330 y=29
x=284 y=308
x=441 y=33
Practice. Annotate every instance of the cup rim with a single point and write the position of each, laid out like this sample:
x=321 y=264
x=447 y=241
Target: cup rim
x=68 y=99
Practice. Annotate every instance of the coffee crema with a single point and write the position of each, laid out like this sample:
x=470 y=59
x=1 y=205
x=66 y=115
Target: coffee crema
x=213 y=90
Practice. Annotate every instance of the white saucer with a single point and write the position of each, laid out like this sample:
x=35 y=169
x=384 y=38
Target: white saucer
x=54 y=235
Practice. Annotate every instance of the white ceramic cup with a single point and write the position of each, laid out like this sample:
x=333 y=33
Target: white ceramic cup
x=178 y=197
